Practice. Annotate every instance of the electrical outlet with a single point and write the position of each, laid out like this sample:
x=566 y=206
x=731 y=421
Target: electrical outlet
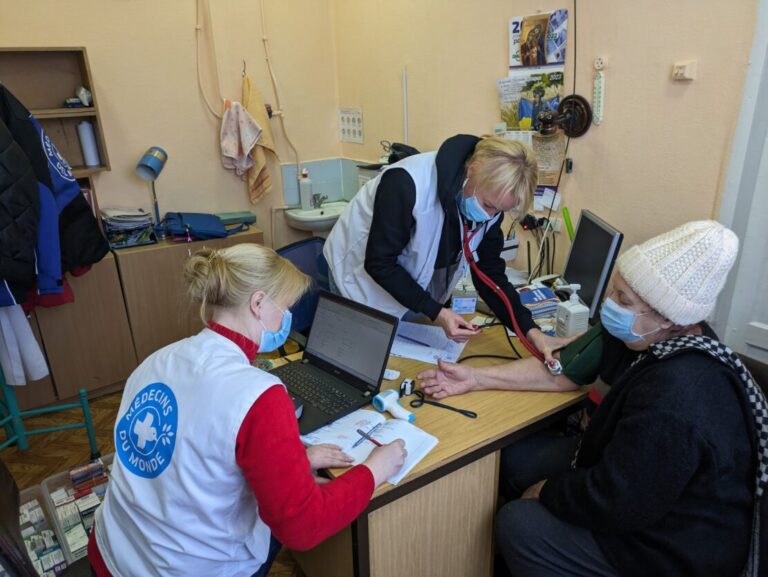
x=556 y=223
x=351 y=125
x=684 y=70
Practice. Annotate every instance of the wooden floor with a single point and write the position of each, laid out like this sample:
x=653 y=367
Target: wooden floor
x=52 y=453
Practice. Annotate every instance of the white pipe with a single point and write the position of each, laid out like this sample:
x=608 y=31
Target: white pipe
x=198 y=31
x=405 y=105
x=279 y=110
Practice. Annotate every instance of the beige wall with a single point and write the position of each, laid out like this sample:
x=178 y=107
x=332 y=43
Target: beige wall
x=142 y=55
x=657 y=160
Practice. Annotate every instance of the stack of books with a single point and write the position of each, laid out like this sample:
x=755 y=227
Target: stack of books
x=125 y=227
x=540 y=300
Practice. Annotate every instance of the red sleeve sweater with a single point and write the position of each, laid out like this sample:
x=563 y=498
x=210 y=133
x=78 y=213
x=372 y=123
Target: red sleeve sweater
x=300 y=512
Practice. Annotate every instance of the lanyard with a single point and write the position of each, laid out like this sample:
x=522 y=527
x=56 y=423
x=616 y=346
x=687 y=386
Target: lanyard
x=420 y=401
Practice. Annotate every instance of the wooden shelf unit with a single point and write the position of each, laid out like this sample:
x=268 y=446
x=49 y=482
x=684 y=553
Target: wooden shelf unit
x=42 y=79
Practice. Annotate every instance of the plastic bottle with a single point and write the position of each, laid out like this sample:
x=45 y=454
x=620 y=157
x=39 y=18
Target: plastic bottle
x=572 y=316
x=305 y=190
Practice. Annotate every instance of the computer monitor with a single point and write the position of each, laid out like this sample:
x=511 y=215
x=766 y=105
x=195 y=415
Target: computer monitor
x=590 y=261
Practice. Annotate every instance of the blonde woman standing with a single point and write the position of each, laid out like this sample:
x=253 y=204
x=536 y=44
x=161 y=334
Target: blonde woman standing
x=210 y=475
x=400 y=245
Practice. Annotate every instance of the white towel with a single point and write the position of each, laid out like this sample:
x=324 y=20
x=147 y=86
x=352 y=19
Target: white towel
x=20 y=354
x=239 y=133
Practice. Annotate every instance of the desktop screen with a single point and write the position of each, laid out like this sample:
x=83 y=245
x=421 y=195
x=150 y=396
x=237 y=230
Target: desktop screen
x=590 y=262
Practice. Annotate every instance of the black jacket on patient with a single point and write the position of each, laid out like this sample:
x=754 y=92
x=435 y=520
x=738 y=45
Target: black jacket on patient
x=665 y=474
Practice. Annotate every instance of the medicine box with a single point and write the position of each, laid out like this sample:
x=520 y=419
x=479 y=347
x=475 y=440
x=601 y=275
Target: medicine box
x=41 y=538
x=72 y=497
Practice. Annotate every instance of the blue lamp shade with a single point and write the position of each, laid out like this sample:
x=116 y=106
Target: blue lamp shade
x=151 y=164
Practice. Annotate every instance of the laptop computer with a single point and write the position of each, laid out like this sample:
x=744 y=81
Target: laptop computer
x=344 y=360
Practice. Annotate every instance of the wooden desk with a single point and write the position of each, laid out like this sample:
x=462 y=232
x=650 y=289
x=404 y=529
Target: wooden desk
x=439 y=520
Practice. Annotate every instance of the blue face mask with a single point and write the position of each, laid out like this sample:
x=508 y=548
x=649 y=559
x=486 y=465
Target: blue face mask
x=619 y=321
x=470 y=207
x=273 y=340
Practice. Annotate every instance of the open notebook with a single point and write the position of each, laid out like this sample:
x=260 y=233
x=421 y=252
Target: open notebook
x=343 y=432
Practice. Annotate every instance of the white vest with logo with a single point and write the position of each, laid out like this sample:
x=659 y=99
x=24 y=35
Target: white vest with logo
x=345 y=247
x=178 y=504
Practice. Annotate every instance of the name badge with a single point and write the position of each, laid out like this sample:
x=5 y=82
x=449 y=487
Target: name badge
x=464 y=305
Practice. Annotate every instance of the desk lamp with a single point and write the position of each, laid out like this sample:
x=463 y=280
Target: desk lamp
x=149 y=168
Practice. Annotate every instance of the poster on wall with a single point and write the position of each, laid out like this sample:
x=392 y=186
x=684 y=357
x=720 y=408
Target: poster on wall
x=528 y=91
x=539 y=39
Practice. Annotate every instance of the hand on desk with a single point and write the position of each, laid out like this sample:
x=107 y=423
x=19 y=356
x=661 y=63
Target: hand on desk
x=327 y=456
x=447 y=379
x=455 y=327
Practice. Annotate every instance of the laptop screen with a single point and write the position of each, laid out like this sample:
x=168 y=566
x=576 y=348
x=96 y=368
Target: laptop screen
x=351 y=337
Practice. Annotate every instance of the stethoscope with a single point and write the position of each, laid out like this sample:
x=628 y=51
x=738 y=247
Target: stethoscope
x=420 y=401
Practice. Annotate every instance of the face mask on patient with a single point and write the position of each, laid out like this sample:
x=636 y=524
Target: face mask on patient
x=619 y=321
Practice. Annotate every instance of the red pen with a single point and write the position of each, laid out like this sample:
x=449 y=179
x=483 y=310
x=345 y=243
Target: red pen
x=367 y=436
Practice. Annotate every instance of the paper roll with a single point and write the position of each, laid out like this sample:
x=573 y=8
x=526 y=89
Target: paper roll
x=88 y=143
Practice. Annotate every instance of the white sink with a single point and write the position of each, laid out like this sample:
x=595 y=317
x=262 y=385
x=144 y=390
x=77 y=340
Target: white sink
x=317 y=219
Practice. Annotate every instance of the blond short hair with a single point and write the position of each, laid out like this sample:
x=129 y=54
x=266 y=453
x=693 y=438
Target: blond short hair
x=508 y=166
x=228 y=277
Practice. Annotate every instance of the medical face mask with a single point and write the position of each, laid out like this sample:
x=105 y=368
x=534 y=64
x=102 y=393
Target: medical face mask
x=273 y=340
x=619 y=321
x=470 y=208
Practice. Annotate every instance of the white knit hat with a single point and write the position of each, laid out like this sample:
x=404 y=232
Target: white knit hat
x=681 y=272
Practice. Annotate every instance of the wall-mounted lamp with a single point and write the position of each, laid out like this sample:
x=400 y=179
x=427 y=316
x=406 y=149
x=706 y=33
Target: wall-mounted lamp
x=574 y=116
x=149 y=168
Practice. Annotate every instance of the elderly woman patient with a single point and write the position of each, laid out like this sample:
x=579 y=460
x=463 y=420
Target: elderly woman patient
x=669 y=475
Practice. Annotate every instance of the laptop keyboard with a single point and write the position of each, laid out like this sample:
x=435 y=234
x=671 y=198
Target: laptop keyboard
x=314 y=391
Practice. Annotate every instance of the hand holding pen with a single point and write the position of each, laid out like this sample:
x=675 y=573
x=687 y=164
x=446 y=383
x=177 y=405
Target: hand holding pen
x=386 y=460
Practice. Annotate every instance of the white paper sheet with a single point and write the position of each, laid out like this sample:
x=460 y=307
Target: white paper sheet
x=425 y=343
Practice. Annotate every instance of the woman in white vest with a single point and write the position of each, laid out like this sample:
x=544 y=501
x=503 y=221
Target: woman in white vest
x=210 y=475
x=398 y=247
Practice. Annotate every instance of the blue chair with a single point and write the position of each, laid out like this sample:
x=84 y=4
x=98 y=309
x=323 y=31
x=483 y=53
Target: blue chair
x=12 y=419
x=308 y=257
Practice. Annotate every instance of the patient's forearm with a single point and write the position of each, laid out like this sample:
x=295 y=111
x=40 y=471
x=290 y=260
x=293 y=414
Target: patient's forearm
x=528 y=374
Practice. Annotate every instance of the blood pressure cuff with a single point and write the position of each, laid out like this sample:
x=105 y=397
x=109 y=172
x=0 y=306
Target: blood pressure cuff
x=581 y=360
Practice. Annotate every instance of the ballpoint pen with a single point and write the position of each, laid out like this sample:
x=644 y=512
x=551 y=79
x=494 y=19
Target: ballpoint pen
x=364 y=436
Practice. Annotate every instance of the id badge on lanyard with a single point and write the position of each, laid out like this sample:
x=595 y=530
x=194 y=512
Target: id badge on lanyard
x=465 y=304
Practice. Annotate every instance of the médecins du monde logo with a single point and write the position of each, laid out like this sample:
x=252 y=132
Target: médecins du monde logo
x=146 y=432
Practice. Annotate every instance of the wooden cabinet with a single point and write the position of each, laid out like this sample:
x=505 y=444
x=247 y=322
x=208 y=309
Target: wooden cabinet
x=42 y=79
x=88 y=342
x=154 y=289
